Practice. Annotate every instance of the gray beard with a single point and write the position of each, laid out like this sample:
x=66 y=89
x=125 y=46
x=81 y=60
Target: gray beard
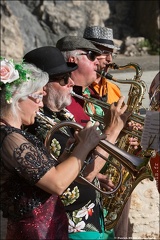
x=57 y=101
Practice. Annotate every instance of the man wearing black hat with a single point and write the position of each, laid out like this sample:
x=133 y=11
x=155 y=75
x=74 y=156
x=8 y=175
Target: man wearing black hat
x=86 y=214
x=102 y=38
x=58 y=89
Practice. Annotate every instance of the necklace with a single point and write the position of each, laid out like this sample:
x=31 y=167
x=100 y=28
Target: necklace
x=5 y=122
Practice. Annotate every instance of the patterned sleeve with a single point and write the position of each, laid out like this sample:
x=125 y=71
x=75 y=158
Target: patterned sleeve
x=21 y=156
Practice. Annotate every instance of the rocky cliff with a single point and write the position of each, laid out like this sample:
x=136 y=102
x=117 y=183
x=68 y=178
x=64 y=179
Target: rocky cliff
x=29 y=24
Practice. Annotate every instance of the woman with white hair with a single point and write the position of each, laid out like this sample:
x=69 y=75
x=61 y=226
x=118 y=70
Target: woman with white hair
x=31 y=180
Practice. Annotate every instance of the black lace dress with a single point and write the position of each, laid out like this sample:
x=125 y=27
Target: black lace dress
x=32 y=213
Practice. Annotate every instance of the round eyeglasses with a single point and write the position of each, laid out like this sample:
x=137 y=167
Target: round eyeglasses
x=36 y=97
x=90 y=55
x=107 y=53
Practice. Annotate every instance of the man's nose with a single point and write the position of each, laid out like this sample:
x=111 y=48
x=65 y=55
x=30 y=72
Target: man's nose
x=70 y=82
x=96 y=62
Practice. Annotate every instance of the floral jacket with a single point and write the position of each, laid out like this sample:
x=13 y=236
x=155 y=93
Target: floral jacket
x=82 y=202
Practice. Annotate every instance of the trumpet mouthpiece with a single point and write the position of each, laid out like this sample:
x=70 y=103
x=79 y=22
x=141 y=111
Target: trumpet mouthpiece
x=72 y=93
x=76 y=95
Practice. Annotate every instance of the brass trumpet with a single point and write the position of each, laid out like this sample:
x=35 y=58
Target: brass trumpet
x=134 y=117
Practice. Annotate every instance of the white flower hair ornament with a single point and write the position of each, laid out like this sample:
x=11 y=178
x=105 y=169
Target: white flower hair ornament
x=11 y=73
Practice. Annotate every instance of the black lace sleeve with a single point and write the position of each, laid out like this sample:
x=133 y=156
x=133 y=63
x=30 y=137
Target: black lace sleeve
x=26 y=156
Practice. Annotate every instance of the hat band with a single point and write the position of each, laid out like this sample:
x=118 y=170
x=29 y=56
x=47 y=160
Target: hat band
x=58 y=70
x=106 y=41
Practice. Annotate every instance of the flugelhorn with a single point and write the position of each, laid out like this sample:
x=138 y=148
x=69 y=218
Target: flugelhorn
x=136 y=168
x=132 y=163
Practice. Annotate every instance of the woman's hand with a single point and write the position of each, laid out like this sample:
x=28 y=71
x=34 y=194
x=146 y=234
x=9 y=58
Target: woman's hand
x=89 y=136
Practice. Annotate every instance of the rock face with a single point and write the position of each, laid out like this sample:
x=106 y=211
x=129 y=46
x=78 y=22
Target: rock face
x=12 y=44
x=144 y=211
x=26 y=25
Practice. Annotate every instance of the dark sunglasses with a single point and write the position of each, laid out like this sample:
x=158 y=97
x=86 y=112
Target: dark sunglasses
x=90 y=55
x=63 y=79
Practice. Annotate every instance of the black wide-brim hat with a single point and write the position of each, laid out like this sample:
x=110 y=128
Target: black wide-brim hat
x=49 y=59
